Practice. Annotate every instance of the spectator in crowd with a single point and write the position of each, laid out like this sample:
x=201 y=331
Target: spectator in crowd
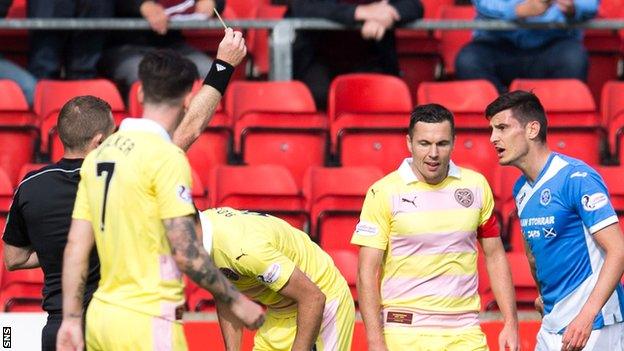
x=320 y=56
x=502 y=56
x=573 y=241
x=126 y=49
x=40 y=215
x=75 y=53
x=9 y=70
x=418 y=234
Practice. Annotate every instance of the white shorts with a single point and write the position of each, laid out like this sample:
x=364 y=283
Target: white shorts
x=609 y=338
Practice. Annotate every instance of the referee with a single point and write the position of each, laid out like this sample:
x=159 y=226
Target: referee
x=39 y=219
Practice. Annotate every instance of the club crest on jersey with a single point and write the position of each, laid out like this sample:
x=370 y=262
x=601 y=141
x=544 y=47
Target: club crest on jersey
x=271 y=275
x=464 y=197
x=184 y=194
x=545 y=197
x=230 y=274
x=594 y=201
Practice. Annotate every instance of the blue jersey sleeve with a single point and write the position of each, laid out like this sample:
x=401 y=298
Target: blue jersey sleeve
x=588 y=195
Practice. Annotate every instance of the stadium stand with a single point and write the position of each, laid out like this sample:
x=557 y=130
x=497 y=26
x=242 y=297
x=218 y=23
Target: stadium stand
x=368 y=117
x=277 y=123
x=452 y=41
x=612 y=110
x=265 y=188
x=19 y=130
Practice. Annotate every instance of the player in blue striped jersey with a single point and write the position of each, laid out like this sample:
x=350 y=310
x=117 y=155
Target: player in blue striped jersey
x=572 y=237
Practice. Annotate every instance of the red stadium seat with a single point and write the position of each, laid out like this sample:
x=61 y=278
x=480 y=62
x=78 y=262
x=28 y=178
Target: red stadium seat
x=15 y=43
x=277 y=123
x=6 y=192
x=18 y=130
x=467 y=100
x=524 y=285
x=334 y=199
x=451 y=41
x=51 y=95
x=197 y=299
x=211 y=148
x=264 y=188
x=573 y=124
x=613 y=179
x=612 y=110
x=347 y=263
x=369 y=116
x=20 y=291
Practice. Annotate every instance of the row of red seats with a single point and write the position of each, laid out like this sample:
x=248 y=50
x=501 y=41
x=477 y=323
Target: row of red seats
x=366 y=123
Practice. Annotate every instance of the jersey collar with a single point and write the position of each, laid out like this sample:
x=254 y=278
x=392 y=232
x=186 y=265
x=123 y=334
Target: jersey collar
x=206 y=226
x=144 y=125
x=408 y=176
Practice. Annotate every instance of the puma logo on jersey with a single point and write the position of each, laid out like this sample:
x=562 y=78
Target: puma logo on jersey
x=413 y=202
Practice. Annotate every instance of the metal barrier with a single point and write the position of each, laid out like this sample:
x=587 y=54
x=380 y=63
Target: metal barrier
x=283 y=32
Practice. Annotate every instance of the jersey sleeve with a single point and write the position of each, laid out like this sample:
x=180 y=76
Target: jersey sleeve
x=373 y=229
x=488 y=223
x=15 y=231
x=172 y=186
x=588 y=194
x=81 y=204
x=267 y=264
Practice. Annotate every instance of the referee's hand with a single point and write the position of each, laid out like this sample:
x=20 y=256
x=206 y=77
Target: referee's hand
x=69 y=337
x=232 y=48
x=249 y=312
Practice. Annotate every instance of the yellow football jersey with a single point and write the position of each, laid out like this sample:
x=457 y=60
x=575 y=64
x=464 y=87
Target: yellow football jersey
x=429 y=235
x=258 y=254
x=129 y=184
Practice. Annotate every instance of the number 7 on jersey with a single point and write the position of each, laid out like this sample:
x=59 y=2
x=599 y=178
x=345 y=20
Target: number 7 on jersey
x=109 y=169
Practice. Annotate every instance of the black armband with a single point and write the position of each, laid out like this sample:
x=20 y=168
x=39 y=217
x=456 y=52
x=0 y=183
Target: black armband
x=219 y=75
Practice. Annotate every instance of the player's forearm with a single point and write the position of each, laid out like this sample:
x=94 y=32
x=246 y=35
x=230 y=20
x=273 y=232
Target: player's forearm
x=197 y=117
x=74 y=280
x=502 y=286
x=309 y=319
x=370 y=306
x=608 y=278
x=192 y=259
x=231 y=328
x=19 y=258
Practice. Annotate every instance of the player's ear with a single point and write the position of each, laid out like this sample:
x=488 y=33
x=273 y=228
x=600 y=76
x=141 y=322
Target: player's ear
x=187 y=100
x=532 y=130
x=408 y=139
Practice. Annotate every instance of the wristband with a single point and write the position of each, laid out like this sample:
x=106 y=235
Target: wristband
x=219 y=75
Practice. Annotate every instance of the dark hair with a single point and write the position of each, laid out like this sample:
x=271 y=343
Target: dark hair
x=525 y=107
x=430 y=113
x=82 y=118
x=166 y=76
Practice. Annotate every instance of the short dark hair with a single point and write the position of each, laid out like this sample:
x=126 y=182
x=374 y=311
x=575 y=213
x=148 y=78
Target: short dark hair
x=525 y=107
x=430 y=113
x=166 y=76
x=82 y=118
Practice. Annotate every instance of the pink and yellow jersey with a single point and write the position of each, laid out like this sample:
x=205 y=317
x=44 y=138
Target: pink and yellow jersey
x=128 y=185
x=258 y=253
x=429 y=235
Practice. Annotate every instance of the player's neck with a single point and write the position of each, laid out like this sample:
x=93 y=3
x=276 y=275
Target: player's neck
x=535 y=161
x=164 y=115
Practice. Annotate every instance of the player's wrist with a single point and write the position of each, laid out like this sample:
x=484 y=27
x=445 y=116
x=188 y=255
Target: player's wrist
x=219 y=75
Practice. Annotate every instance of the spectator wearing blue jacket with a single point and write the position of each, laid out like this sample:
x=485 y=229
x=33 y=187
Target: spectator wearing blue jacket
x=502 y=56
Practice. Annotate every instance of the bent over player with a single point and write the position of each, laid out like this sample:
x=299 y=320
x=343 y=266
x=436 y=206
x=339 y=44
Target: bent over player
x=309 y=303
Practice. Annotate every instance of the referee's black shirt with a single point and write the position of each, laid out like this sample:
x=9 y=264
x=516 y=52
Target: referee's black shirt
x=40 y=217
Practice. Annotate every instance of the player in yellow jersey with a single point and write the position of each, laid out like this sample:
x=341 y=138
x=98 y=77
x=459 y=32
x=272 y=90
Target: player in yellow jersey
x=134 y=202
x=418 y=235
x=309 y=303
